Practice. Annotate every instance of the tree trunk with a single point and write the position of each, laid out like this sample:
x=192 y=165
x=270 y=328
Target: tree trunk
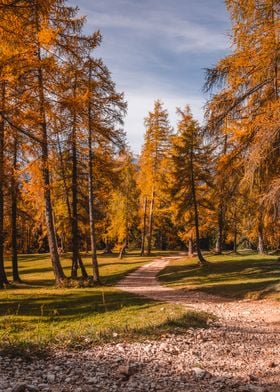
x=63 y=175
x=235 y=233
x=14 y=191
x=74 y=185
x=57 y=268
x=201 y=259
x=235 y=241
x=150 y=228
x=3 y=277
x=190 y=247
x=144 y=228
x=62 y=244
x=220 y=229
x=108 y=247
x=260 y=234
x=95 y=267
x=58 y=271
x=83 y=268
x=123 y=248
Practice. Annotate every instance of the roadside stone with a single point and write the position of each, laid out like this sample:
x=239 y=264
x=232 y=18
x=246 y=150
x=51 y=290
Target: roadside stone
x=50 y=378
x=32 y=388
x=20 y=388
x=199 y=373
x=92 y=380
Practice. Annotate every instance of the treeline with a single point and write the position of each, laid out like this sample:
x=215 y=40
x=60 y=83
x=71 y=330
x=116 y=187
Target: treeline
x=60 y=128
x=222 y=181
x=68 y=181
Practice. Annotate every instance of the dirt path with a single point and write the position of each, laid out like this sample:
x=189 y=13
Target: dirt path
x=261 y=313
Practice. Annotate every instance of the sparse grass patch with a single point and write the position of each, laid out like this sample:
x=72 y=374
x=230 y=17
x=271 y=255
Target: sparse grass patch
x=246 y=275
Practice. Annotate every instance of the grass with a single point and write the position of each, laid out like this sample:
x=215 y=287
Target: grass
x=36 y=269
x=36 y=316
x=246 y=275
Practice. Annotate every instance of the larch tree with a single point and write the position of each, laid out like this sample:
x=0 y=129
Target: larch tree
x=47 y=39
x=155 y=149
x=124 y=204
x=189 y=175
x=247 y=107
x=104 y=116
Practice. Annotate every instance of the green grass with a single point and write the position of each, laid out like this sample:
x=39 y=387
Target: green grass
x=246 y=275
x=36 y=270
x=37 y=316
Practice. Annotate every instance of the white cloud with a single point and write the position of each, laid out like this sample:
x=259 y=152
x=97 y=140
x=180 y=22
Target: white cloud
x=172 y=31
x=156 y=49
x=140 y=103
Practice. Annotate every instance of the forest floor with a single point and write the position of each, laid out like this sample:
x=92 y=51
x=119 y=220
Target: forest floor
x=168 y=339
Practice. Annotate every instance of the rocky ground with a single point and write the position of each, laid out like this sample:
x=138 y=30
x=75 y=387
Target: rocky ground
x=240 y=352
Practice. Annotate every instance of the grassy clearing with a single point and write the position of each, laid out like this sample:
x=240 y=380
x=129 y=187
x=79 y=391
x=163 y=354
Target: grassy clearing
x=36 y=315
x=36 y=270
x=246 y=275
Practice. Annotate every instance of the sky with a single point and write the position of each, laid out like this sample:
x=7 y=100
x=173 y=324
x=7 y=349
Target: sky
x=158 y=49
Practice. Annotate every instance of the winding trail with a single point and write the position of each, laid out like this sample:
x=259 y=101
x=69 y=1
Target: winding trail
x=236 y=313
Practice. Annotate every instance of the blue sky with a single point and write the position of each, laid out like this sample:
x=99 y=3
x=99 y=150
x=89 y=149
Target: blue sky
x=157 y=49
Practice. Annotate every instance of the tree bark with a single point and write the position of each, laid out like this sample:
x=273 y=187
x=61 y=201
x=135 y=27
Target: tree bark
x=150 y=228
x=260 y=233
x=108 y=247
x=63 y=175
x=95 y=267
x=57 y=268
x=123 y=248
x=82 y=266
x=190 y=247
x=201 y=259
x=3 y=276
x=144 y=228
x=235 y=233
x=68 y=205
x=14 y=191
x=74 y=190
x=220 y=229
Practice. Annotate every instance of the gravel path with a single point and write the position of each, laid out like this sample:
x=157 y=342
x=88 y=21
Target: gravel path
x=144 y=282
x=240 y=353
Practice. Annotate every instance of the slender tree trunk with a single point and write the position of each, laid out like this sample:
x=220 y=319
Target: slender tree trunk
x=14 y=191
x=82 y=266
x=123 y=248
x=235 y=240
x=150 y=228
x=68 y=204
x=235 y=233
x=260 y=233
x=201 y=259
x=95 y=267
x=190 y=247
x=63 y=175
x=58 y=271
x=144 y=228
x=3 y=277
x=62 y=244
x=74 y=190
x=57 y=268
x=221 y=204
x=220 y=229
x=108 y=247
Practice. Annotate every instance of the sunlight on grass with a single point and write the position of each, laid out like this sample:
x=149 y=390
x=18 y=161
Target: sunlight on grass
x=236 y=276
x=38 y=315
